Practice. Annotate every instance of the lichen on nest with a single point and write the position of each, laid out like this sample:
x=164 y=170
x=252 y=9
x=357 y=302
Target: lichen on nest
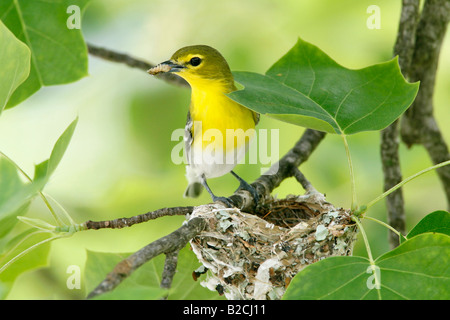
x=254 y=256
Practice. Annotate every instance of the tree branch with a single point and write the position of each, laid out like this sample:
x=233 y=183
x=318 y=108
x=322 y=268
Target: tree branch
x=404 y=48
x=418 y=125
x=178 y=239
x=281 y=170
x=113 y=56
x=168 y=244
x=406 y=35
x=390 y=161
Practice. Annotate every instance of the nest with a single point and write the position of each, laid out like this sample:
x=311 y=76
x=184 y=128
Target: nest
x=254 y=256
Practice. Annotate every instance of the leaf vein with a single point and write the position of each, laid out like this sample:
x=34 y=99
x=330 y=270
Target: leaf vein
x=25 y=33
x=43 y=35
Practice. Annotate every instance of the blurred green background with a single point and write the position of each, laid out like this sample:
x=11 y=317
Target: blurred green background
x=119 y=161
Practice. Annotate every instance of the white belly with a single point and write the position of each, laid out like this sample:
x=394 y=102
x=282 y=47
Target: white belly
x=213 y=162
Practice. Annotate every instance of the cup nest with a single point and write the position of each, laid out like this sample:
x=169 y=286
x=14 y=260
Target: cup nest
x=254 y=256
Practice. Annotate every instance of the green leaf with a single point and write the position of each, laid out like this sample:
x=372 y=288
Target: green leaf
x=135 y=292
x=15 y=195
x=417 y=269
x=44 y=170
x=183 y=286
x=437 y=221
x=17 y=54
x=308 y=88
x=144 y=282
x=35 y=258
x=58 y=54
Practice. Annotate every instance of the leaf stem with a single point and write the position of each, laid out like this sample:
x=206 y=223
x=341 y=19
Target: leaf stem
x=373 y=267
x=352 y=175
x=64 y=211
x=403 y=182
x=384 y=224
x=366 y=241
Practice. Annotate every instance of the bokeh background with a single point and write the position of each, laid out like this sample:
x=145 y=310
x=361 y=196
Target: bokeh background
x=119 y=161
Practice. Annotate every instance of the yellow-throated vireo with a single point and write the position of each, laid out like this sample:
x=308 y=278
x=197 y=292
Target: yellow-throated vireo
x=218 y=130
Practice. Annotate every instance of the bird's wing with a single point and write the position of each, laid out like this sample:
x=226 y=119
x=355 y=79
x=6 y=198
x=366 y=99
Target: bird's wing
x=256 y=117
x=188 y=136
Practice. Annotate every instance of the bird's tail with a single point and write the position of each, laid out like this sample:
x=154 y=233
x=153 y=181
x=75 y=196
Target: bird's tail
x=195 y=187
x=193 y=190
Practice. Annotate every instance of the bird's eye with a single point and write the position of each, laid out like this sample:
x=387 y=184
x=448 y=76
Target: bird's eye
x=195 y=61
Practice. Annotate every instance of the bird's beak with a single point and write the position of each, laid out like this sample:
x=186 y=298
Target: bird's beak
x=166 y=66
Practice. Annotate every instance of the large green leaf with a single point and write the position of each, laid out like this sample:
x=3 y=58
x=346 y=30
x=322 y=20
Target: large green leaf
x=437 y=221
x=144 y=282
x=58 y=54
x=417 y=269
x=308 y=88
x=17 y=68
x=35 y=258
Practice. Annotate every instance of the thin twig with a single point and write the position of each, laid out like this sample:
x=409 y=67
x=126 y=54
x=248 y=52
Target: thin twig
x=170 y=267
x=114 y=56
x=128 y=222
x=306 y=184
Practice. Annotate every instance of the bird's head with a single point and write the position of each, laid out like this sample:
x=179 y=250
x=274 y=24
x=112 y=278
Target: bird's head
x=198 y=65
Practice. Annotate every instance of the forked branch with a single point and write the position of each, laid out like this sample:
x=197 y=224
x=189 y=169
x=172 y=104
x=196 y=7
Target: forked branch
x=172 y=243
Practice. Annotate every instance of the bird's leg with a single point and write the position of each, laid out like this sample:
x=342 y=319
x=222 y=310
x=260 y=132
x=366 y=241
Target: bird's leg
x=245 y=186
x=227 y=201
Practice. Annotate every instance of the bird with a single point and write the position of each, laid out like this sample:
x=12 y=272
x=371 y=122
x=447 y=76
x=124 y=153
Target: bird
x=218 y=130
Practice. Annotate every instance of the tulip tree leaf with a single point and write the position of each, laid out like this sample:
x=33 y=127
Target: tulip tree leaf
x=308 y=88
x=58 y=53
x=17 y=54
x=417 y=269
x=437 y=221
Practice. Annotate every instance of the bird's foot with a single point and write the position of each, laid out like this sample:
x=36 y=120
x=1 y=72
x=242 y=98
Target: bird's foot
x=226 y=201
x=245 y=186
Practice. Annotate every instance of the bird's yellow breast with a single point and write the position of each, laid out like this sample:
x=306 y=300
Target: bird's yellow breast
x=222 y=120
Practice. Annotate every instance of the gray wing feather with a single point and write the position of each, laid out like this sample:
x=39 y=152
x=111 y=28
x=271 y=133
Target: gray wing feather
x=188 y=137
